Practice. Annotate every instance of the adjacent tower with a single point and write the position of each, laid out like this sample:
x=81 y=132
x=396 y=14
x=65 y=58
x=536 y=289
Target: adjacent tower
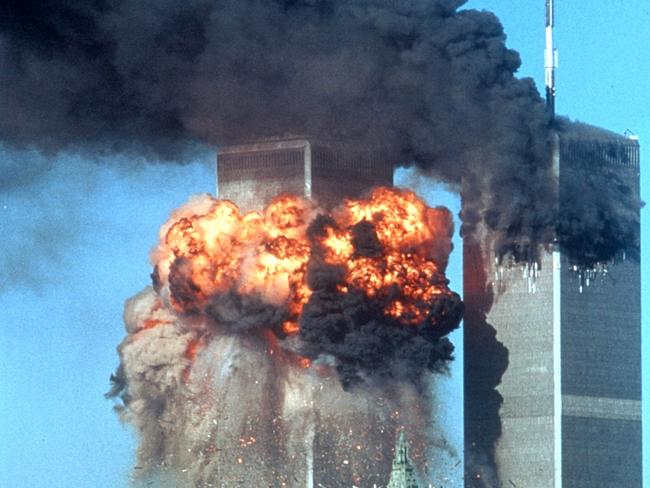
x=553 y=355
x=552 y=365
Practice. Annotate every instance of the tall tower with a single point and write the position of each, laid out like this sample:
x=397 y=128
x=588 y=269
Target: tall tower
x=251 y=175
x=553 y=366
x=402 y=474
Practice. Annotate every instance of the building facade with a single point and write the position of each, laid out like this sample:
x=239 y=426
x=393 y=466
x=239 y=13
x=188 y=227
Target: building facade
x=553 y=366
x=252 y=174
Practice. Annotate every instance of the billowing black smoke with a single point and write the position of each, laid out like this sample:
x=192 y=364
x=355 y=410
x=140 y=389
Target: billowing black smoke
x=152 y=74
x=421 y=81
x=366 y=344
x=599 y=195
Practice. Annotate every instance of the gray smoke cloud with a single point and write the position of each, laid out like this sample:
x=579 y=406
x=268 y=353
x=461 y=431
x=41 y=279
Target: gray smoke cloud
x=238 y=411
x=41 y=219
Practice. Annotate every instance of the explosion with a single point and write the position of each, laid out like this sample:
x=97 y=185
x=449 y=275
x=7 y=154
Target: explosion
x=390 y=250
x=288 y=345
x=220 y=252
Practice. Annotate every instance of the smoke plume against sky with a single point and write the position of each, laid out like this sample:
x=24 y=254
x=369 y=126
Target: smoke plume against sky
x=422 y=81
x=155 y=76
x=67 y=223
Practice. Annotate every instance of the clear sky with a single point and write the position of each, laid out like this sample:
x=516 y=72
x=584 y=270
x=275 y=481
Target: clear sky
x=89 y=227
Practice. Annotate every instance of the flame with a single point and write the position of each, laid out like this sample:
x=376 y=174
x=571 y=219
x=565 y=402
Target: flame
x=407 y=230
x=221 y=250
x=290 y=327
x=218 y=250
x=191 y=349
x=150 y=323
x=302 y=362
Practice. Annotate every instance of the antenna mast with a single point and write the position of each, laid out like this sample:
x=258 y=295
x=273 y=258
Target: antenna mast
x=550 y=59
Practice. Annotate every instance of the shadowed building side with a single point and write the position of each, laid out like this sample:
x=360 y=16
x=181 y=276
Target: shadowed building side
x=600 y=339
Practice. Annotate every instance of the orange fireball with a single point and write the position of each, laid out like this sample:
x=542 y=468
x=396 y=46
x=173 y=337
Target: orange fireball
x=221 y=250
x=391 y=246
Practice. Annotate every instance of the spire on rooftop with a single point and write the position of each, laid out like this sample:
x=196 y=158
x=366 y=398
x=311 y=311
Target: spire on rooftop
x=402 y=474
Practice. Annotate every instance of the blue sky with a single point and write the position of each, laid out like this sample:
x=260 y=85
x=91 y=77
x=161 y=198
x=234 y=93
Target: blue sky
x=60 y=325
x=89 y=228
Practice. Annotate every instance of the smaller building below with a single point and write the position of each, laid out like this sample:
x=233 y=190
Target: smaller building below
x=402 y=474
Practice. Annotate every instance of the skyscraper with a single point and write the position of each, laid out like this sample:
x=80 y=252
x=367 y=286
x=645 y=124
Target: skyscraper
x=552 y=365
x=251 y=175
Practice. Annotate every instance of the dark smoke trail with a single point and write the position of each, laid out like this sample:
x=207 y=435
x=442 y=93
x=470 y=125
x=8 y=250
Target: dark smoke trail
x=486 y=361
x=421 y=81
x=603 y=218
